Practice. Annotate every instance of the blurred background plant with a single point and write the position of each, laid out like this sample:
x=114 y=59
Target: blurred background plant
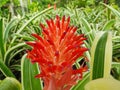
x=23 y=7
x=20 y=18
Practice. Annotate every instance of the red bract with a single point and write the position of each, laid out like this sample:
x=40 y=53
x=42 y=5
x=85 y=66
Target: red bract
x=56 y=52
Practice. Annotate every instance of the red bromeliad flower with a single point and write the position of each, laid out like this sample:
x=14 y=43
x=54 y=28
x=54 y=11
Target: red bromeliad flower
x=56 y=52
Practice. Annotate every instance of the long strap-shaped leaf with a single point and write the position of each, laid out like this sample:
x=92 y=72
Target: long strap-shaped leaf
x=5 y=70
x=117 y=13
x=88 y=31
x=28 y=70
x=31 y=19
x=12 y=23
x=7 y=54
x=1 y=39
x=108 y=25
x=101 y=55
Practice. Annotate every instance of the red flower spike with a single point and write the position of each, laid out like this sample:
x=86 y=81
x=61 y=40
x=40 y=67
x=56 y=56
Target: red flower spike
x=56 y=52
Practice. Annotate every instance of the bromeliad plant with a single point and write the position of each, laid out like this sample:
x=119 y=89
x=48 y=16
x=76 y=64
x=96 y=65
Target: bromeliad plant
x=56 y=52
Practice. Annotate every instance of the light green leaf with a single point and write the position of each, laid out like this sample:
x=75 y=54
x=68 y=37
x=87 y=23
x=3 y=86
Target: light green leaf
x=7 y=54
x=101 y=55
x=10 y=83
x=12 y=23
x=108 y=25
x=29 y=70
x=116 y=70
x=30 y=20
x=88 y=31
x=117 y=13
x=5 y=70
x=103 y=84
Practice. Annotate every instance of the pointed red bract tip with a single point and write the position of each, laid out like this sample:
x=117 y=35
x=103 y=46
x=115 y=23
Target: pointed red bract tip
x=57 y=17
x=63 y=18
x=68 y=19
x=42 y=26
x=31 y=43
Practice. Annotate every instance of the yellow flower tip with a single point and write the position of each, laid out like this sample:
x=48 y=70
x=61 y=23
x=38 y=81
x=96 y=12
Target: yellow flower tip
x=103 y=84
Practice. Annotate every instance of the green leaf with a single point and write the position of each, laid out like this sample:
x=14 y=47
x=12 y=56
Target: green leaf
x=116 y=70
x=28 y=71
x=16 y=67
x=3 y=2
x=1 y=39
x=30 y=20
x=24 y=37
x=12 y=23
x=108 y=25
x=101 y=55
x=116 y=39
x=5 y=70
x=8 y=53
x=10 y=83
x=0 y=81
x=98 y=15
x=82 y=82
x=88 y=31
x=117 y=13
x=116 y=47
